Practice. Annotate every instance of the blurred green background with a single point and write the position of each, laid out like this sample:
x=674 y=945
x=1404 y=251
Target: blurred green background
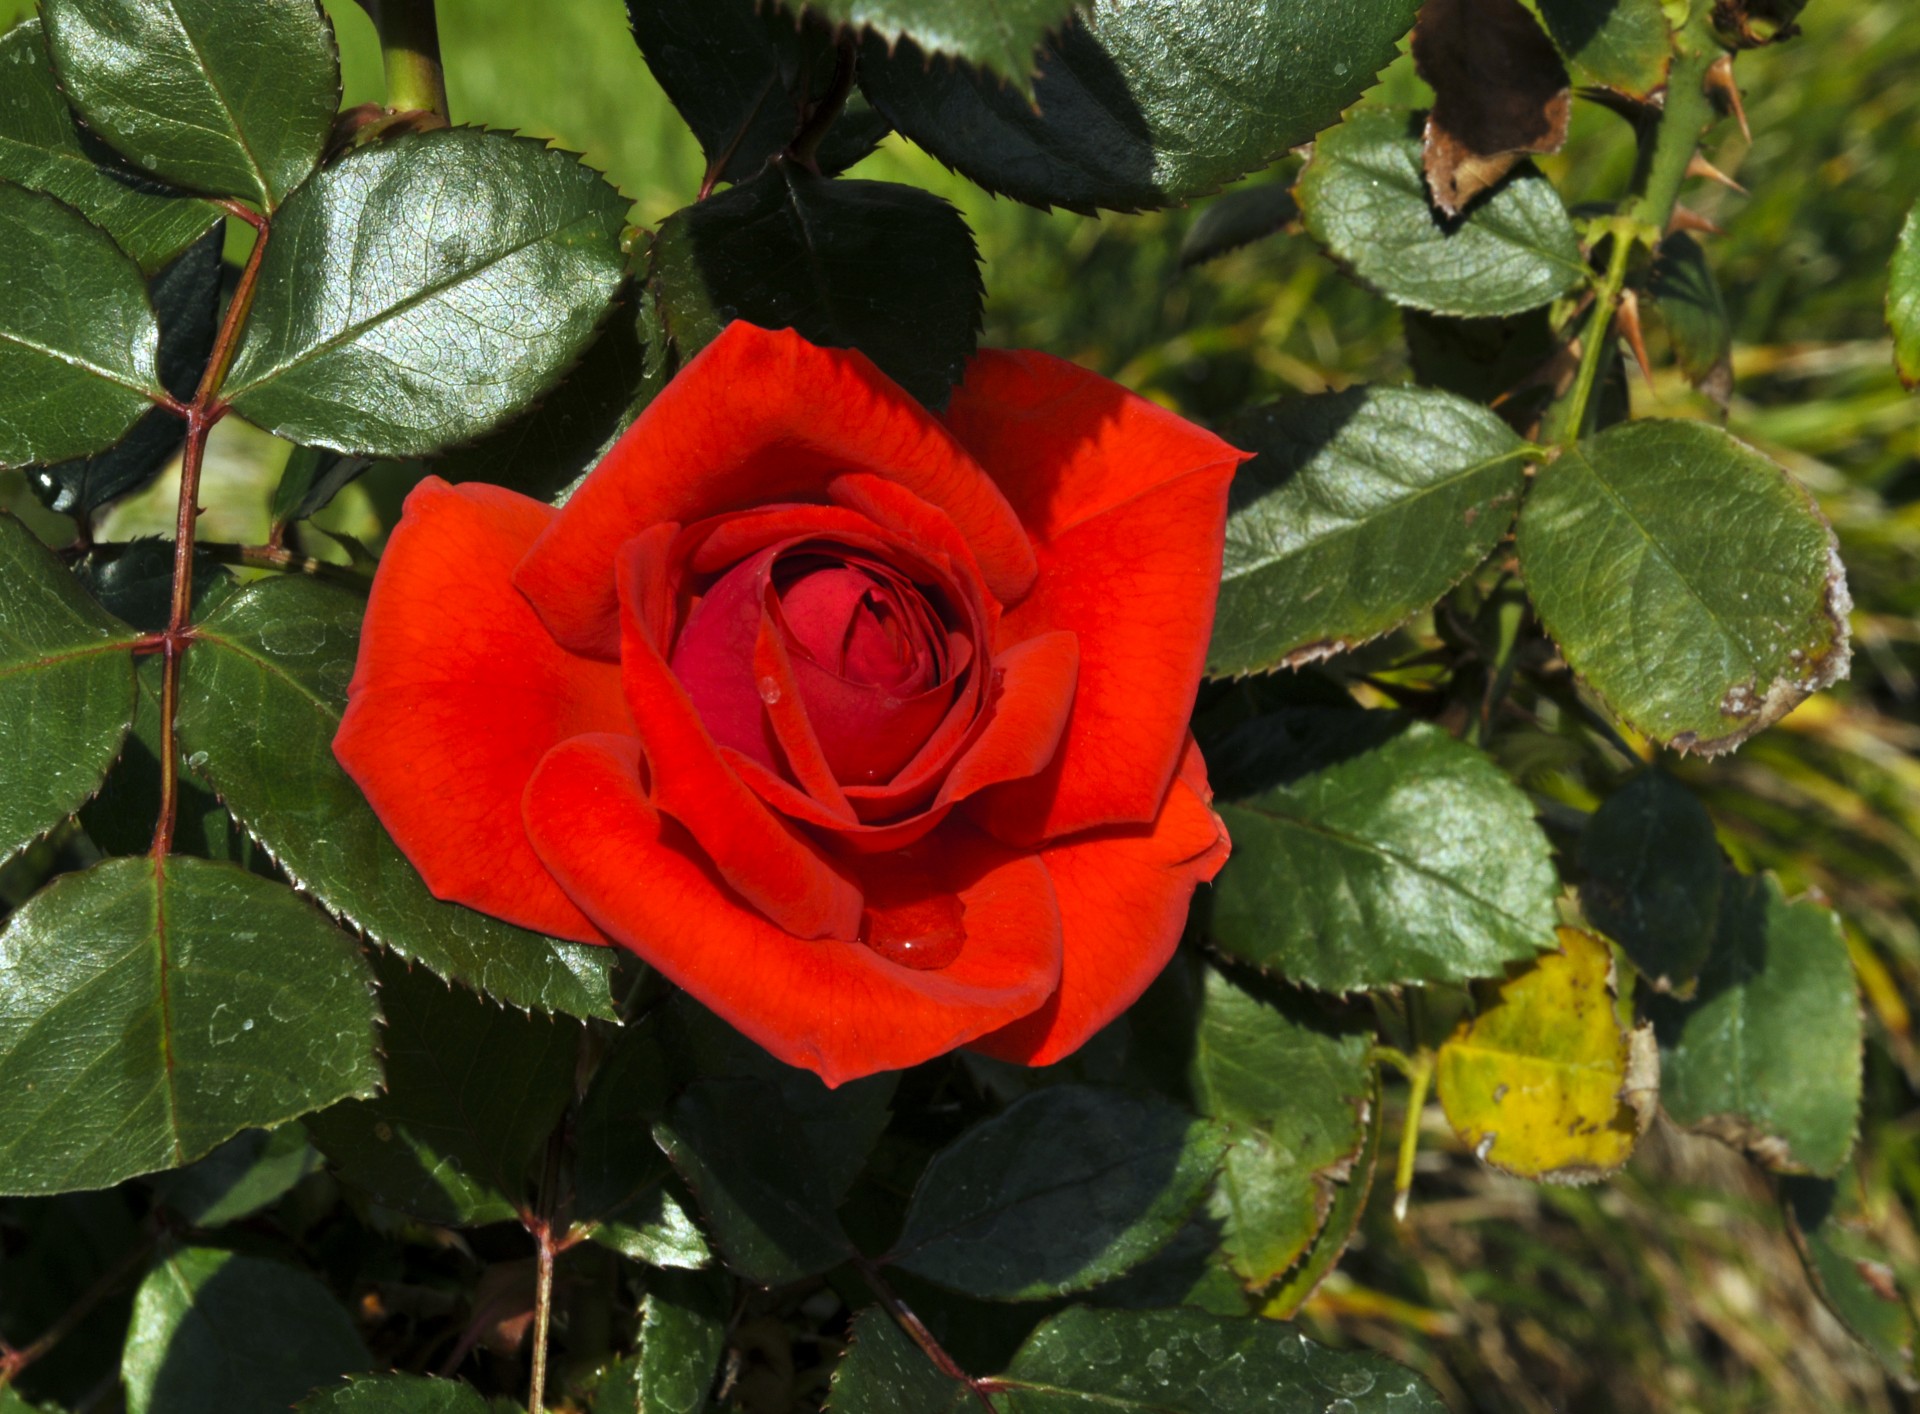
x=1674 y=1287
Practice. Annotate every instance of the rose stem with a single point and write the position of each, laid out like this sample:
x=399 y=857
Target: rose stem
x=12 y=1361
x=805 y=147
x=410 y=46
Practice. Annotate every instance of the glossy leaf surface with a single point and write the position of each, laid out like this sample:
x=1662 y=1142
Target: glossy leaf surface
x=998 y=36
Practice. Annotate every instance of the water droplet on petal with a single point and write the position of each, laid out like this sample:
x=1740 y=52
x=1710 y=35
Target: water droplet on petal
x=769 y=691
x=912 y=918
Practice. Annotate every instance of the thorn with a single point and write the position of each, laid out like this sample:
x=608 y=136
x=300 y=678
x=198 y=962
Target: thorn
x=1698 y=166
x=1720 y=76
x=1685 y=220
x=1627 y=319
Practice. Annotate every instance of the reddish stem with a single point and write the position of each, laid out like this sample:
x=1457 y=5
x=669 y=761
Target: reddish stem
x=915 y=1328
x=12 y=1361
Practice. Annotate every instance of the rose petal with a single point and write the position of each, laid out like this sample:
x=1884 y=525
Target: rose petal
x=836 y=1008
x=757 y=417
x=457 y=694
x=1123 y=898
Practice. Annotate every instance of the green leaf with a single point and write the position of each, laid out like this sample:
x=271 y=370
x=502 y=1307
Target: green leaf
x=66 y=690
x=79 y=344
x=402 y=1394
x=1375 y=859
x=1767 y=1055
x=1903 y=300
x=1188 y=1362
x=1142 y=106
x=217 y=1330
x=1294 y=1096
x=1236 y=219
x=260 y=701
x=231 y=100
x=43 y=146
x=473 y=1090
x=1341 y=1222
x=146 y=1016
x=885 y=1373
x=1689 y=299
x=1364 y=197
x=1359 y=510
x=887 y=269
x=247 y=1173
x=311 y=478
x=1688 y=579
x=186 y=298
x=683 y=1334
x=770 y=1206
x=999 y=36
x=480 y=267
x=1064 y=1189
x=1847 y=1263
x=1623 y=44
x=1486 y=360
x=1654 y=877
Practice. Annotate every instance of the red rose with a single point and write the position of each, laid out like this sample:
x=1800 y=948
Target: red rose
x=867 y=728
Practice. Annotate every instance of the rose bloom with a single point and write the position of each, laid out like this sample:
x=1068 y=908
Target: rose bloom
x=866 y=727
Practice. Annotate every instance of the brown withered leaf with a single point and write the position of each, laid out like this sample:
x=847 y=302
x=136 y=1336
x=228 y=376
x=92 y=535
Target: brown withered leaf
x=1499 y=94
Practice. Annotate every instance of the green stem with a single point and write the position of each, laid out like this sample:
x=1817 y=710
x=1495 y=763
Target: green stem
x=1596 y=341
x=410 y=46
x=1419 y=1080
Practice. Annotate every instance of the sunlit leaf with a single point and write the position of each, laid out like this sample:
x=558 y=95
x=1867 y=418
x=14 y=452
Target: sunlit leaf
x=1624 y=44
x=1903 y=300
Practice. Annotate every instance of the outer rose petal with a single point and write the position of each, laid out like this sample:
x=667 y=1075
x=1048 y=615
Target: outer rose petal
x=1127 y=506
x=836 y=1008
x=458 y=693
x=758 y=417
x=1123 y=901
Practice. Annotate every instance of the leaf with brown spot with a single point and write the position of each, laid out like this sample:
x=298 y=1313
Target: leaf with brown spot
x=1500 y=93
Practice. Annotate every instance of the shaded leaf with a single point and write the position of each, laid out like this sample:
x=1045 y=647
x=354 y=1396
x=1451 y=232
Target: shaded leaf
x=260 y=701
x=1487 y=360
x=481 y=266
x=1359 y=510
x=1545 y=1083
x=121 y=818
x=885 y=1373
x=1364 y=197
x=1342 y=1221
x=66 y=690
x=186 y=299
x=1848 y=1265
x=402 y=1394
x=43 y=146
x=1293 y=1093
x=890 y=270
x=999 y=37
x=143 y=1020
x=1238 y=218
x=1654 y=877
x=1499 y=94
x=1622 y=44
x=218 y=1330
x=247 y=1173
x=1767 y=1054
x=311 y=479
x=1064 y=1189
x=473 y=1090
x=1188 y=1362
x=79 y=344
x=232 y=100
x=1688 y=579
x=1142 y=106
x=1375 y=862
x=1689 y=299
x=1903 y=300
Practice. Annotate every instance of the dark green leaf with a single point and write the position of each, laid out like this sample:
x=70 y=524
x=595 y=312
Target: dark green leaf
x=998 y=36
x=1374 y=862
x=481 y=266
x=402 y=1394
x=1654 y=877
x=232 y=100
x=43 y=146
x=1236 y=219
x=66 y=690
x=1143 y=106
x=1848 y=1265
x=1294 y=1094
x=1364 y=197
x=1623 y=44
x=1688 y=579
x=1188 y=1362
x=186 y=297
x=886 y=269
x=885 y=1373
x=1767 y=1054
x=473 y=1090
x=79 y=344
x=260 y=701
x=1341 y=1222
x=683 y=1333
x=1360 y=510
x=770 y=1207
x=1689 y=299
x=217 y=1330
x=242 y=1176
x=1481 y=359
x=1066 y=1188
x=1903 y=301
x=311 y=478
x=146 y=1017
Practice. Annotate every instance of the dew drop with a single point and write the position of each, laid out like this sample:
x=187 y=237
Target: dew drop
x=247 y=1025
x=198 y=760
x=769 y=691
x=912 y=917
